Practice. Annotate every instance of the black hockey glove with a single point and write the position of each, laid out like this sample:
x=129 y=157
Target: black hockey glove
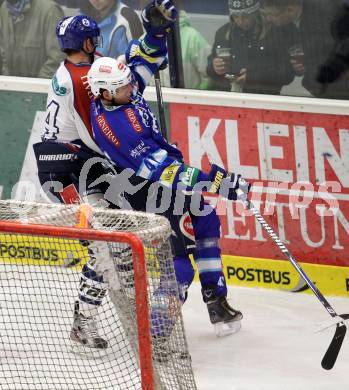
x=158 y=17
x=227 y=184
x=340 y=24
x=335 y=65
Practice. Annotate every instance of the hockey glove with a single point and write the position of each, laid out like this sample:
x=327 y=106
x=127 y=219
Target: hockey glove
x=335 y=65
x=227 y=184
x=167 y=9
x=158 y=17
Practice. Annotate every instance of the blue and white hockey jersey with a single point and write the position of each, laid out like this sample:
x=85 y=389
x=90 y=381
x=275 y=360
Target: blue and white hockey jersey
x=129 y=135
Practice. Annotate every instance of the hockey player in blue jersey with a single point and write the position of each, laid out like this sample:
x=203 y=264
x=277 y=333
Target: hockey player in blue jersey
x=127 y=132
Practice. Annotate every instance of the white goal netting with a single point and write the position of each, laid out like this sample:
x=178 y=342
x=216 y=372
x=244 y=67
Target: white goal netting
x=43 y=248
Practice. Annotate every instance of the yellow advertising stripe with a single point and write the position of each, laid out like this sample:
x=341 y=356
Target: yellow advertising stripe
x=280 y=274
x=31 y=250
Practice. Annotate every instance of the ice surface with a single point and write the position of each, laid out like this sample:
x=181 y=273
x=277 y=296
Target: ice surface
x=276 y=348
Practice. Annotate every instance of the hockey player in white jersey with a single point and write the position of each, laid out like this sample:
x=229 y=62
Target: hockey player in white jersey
x=67 y=130
x=67 y=143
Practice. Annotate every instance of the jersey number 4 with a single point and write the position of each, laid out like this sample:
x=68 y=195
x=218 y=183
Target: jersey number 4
x=51 y=128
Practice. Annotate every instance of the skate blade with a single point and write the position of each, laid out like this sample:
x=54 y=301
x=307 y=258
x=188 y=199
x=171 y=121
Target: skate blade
x=226 y=328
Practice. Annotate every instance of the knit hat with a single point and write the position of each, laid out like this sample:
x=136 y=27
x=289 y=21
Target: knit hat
x=240 y=7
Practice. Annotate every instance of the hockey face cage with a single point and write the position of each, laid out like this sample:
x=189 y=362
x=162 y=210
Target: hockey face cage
x=42 y=251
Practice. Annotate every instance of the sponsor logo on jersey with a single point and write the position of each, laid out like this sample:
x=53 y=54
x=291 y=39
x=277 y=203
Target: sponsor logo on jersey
x=60 y=91
x=139 y=150
x=132 y=118
x=168 y=174
x=107 y=131
x=87 y=87
x=189 y=176
x=57 y=157
x=186 y=226
x=216 y=182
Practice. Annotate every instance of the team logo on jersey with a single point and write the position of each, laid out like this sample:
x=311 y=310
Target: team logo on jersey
x=60 y=91
x=107 y=131
x=139 y=150
x=132 y=118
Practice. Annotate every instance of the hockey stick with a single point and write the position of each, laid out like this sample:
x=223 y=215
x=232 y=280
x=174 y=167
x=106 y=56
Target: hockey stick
x=332 y=352
x=160 y=102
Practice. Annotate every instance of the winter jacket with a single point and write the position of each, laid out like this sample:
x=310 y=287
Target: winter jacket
x=259 y=52
x=118 y=28
x=29 y=44
x=315 y=35
x=195 y=50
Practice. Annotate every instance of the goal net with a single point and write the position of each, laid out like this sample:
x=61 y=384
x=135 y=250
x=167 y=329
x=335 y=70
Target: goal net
x=43 y=248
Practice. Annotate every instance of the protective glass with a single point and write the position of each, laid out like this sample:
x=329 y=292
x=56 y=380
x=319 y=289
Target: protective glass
x=98 y=41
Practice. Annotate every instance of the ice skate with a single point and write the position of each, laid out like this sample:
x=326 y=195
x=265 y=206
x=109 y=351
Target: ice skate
x=225 y=319
x=84 y=332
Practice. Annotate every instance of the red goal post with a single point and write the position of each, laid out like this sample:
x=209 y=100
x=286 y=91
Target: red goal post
x=147 y=236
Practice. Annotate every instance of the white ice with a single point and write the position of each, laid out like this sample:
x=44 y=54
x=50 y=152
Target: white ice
x=276 y=349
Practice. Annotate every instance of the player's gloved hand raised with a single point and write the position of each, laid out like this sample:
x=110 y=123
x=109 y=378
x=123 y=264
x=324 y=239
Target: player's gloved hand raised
x=167 y=9
x=229 y=185
x=158 y=17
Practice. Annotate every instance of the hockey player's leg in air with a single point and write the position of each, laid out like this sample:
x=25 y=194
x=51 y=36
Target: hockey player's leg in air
x=207 y=256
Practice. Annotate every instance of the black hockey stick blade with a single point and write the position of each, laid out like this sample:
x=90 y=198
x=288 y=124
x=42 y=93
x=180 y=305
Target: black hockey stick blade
x=332 y=352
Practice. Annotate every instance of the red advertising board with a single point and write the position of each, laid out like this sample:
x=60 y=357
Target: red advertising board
x=298 y=164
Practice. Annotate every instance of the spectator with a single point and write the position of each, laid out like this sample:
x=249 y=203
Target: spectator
x=311 y=23
x=27 y=38
x=195 y=50
x=118 y=23
x=246 y=55
x=337 y=62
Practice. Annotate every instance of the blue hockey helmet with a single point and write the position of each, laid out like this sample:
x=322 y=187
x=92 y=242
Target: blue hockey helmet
x=72 y=31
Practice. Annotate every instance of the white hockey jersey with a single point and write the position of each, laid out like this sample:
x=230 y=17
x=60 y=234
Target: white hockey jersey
x=68 y=106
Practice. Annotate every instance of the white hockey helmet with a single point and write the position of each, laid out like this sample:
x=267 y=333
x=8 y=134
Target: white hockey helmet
x=108 y=73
